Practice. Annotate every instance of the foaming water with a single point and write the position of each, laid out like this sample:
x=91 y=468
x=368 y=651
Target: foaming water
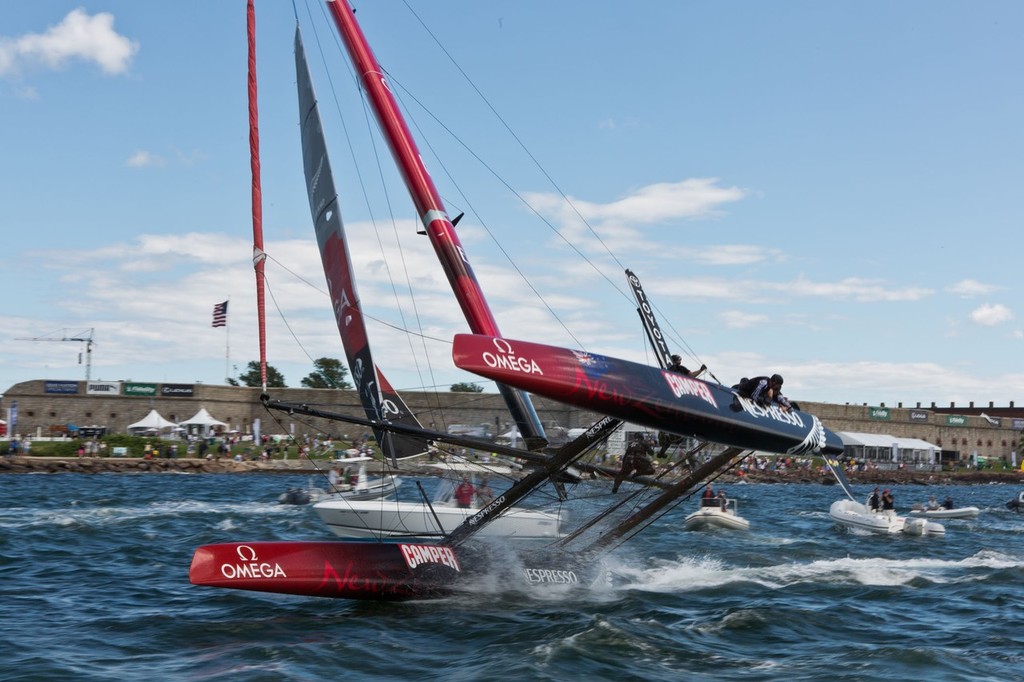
x=96 y=588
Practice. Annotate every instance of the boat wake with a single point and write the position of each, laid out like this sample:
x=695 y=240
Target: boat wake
x=701 y=573
x=77 y=515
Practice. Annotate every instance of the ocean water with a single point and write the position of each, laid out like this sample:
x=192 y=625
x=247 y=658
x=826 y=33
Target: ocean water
x=95 y=586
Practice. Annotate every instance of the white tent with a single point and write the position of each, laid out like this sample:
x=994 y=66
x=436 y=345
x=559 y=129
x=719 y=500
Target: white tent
x=204 y=420
x=881 y=447
x=151 y=422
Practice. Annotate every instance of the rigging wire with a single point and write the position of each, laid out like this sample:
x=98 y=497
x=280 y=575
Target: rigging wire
x=483 y=98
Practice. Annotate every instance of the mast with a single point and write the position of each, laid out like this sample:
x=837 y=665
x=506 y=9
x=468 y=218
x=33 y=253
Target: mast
x=649 y=322
x=258 y=256
x=430 y=208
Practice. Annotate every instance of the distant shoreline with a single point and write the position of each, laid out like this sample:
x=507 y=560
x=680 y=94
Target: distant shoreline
x=125 y=465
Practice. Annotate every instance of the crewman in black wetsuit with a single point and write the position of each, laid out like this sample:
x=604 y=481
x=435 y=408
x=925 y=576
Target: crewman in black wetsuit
x=637 y=458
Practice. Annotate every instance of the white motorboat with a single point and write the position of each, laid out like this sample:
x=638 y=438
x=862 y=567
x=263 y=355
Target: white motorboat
x=396 y=519
x=853 y=514
x=945 y=513
x=714 y=515
x=352 y=483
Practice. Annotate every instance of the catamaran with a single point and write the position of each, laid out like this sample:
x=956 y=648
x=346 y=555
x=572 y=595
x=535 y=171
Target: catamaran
x=386 y=567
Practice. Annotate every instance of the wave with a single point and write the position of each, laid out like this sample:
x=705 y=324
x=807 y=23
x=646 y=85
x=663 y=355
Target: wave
x=701 y=573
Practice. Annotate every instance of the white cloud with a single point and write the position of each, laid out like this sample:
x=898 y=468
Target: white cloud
x=739 y=320
x=143 y=159
x=969 y=288
x=990 y=315
x=79 y=36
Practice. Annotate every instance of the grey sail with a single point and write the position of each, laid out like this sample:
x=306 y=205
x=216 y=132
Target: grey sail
x=379 y=399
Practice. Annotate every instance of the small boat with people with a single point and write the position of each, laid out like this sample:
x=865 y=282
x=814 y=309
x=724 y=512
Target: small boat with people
x=348 y=479
x=1017 y=503
x=853 y=514
x=934 y=510
x=877 y=515
x=716 y=512
x=463 y=491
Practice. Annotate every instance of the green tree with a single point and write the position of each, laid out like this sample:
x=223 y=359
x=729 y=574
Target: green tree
x=330 y=373
x=467 y=387
x=251 y=377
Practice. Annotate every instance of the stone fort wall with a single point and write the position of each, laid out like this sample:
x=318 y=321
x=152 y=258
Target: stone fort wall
x=42 y=411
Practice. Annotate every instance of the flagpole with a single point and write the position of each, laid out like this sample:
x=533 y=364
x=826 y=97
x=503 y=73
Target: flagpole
x=227 y=347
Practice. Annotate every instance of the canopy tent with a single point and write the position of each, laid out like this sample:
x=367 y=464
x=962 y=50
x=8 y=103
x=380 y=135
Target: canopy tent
x=204 y=420
x=885 y=447
x=151 y=422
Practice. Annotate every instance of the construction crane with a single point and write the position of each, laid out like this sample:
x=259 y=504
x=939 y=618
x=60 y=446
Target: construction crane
x=82 y=337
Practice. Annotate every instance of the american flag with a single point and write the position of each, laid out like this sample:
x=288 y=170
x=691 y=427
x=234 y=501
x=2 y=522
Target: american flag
x=220 y=314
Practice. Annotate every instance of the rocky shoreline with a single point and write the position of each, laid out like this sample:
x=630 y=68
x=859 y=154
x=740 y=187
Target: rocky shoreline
x=95 y=465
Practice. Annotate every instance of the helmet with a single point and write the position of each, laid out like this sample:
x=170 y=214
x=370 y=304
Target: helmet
x=777 y=379
x=676 y=358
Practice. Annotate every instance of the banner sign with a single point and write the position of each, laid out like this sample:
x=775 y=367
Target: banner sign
x=60 y=387
x=918 y=416
x=879 y=413
x=177 y=390
x=103 y=387
x=956 y=420
x=141 y=390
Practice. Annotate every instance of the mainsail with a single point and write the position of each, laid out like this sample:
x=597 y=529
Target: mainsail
x=379 y=399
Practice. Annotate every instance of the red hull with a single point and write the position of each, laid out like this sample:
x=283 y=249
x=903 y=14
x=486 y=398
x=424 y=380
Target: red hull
x=346 y=570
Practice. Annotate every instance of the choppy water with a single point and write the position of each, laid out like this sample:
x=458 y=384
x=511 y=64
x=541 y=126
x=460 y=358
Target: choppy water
x=95 y=586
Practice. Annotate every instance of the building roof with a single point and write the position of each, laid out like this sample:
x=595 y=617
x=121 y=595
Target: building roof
x=884 y=440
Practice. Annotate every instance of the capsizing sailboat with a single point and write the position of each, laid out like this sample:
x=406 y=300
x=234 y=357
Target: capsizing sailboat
x=621 y=390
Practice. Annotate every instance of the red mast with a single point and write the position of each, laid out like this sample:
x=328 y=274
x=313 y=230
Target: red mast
x=258 y=256
x=430 y=207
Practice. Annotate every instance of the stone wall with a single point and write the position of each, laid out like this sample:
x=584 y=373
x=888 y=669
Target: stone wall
x=38 y=411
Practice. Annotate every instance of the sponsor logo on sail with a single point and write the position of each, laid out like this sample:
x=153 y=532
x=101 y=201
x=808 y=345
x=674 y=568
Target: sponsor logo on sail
x=250 y=566
x=536 y=576
x=504 y=357
x=417 y=555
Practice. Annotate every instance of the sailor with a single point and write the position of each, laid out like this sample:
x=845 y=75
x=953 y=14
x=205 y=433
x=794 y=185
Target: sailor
x=678 y=366
x=888 y=504
x=874 y=502
x=722 y=500
x=933 y=503
x=947 y=503
x=708 y=498
x=764 y=391
x=637 y=458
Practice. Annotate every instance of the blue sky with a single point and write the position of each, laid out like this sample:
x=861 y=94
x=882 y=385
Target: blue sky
x=826 y=190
